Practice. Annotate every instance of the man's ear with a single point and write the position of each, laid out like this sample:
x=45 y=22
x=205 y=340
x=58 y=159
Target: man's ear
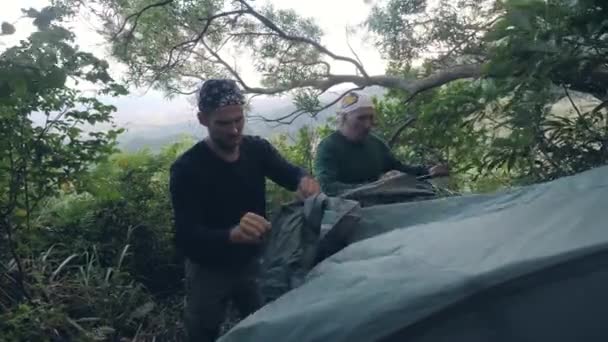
x=203 y=119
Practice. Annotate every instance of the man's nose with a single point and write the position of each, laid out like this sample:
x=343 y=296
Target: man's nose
x=234 y=128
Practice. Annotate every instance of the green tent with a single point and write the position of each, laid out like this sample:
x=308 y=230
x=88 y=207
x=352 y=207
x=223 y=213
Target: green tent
x=528 y=264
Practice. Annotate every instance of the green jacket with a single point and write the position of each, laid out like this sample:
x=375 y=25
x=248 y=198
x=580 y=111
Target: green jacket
x=342 y=165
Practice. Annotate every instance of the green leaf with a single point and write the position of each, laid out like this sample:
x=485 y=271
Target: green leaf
x=520 y=18
x=31 y=12
x=19 y=86
x=499 y=30
x=56 y=78
x=7 y=28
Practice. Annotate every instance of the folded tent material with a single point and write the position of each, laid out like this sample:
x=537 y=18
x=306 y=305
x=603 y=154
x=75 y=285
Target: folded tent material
x=306 y=233
x=529 y=264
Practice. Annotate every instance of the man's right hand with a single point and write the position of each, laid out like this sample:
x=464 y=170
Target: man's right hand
x=250 y=230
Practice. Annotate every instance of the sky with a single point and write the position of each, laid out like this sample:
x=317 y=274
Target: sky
x=144 y=107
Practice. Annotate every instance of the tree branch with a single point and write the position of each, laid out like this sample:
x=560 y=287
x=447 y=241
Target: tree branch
x=412 y=85
x=405 y=124
x=352 y=50
x=199 y=37
x=299 y=112
x=258 y=34
x=231 y=70
x=137 y=15
x=182 y=92
x=16 y=173
x=272 y=26
x=410 y=120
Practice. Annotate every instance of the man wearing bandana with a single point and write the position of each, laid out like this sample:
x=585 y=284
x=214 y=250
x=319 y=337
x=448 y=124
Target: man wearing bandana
x=353 y=156
x=218 y=195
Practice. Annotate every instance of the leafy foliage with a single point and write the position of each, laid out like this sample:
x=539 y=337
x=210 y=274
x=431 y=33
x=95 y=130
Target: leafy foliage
x=37 y=157
x=86 y=248
x=68 y=273
x=80 y=300
x=506 y=128
x=443 y=129
x=441 y=31
x=561 y=41
x=547 y=49
x=300 y=150
x=101 y=261
x=7 y=28
x=124 y=200
x=173 y=45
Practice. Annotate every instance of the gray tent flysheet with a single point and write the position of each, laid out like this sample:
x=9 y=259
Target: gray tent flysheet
x=527 y=264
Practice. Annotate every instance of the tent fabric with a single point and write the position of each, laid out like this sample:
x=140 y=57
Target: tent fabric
x=305 y=233
x=528 y=264
x=566 y=302
x=398 y=189
x=292 y=248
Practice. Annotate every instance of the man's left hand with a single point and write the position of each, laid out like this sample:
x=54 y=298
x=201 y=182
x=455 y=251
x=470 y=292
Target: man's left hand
x=439 y=171
x=308 y=187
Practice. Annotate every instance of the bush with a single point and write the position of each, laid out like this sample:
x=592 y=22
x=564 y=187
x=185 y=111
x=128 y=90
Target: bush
x=125 y=201
x=99 y=259
x=77 y=299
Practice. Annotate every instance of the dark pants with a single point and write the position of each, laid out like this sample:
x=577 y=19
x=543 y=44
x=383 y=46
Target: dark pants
x=208 y=293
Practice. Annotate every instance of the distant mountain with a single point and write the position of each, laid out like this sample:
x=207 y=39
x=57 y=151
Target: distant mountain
x=154 y=137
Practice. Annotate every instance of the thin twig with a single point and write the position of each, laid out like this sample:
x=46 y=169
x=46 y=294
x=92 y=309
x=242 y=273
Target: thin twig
x=571 y=101
x=225 y=64
x=137 y=15
x=26 y=189
x=12 y=202
x=15 y=255
x=400 y=129
x=600 y=107
x=405 y=124
x=351 y=49
x=257 y=34
x=299 y=112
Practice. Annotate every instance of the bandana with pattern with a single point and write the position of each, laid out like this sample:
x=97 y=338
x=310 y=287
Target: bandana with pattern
x=216 y=93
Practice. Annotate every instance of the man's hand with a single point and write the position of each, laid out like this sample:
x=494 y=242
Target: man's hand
x=439 y=171
x=308 y=187
x=250 y=230
x=390 y=174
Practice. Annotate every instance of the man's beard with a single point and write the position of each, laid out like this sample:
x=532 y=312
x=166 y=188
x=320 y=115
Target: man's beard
x=356 y=137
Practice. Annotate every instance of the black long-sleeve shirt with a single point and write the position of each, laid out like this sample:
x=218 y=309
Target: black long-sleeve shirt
x=210 y=196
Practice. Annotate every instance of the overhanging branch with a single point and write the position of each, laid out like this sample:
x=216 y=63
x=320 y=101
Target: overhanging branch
x=411 y=85
x=272 y=26
x=320 y=82
x=180 y=53
x=293 y=116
